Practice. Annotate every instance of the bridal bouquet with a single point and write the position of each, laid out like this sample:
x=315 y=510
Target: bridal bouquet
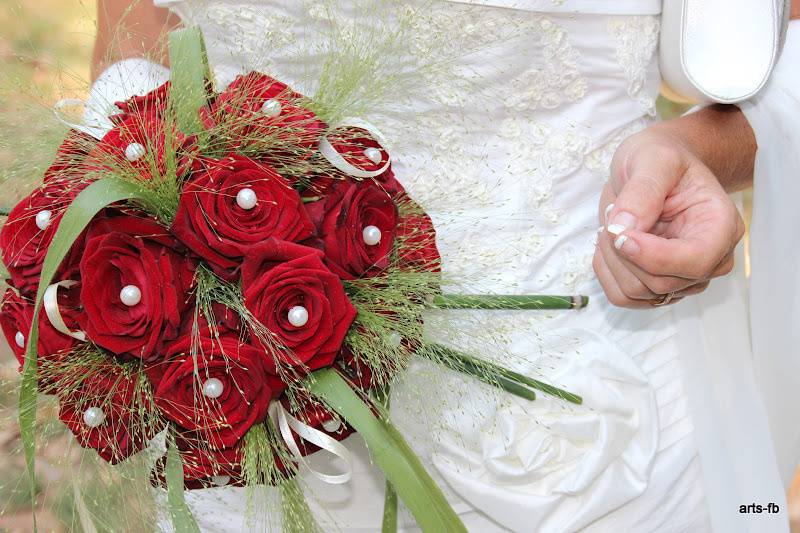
x=232 y=272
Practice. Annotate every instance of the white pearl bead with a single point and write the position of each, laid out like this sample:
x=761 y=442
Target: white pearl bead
x=93 y=417
x=374 y=155
x=395 y=339
x=43 y=219
x=246 y=198
x=130 y=295
x=19 y=338
x=298 y=316
x=220 y=481
x=332 y=425
x=372 y=235
x=134 y=152
x=212 y=388
x=271 y=108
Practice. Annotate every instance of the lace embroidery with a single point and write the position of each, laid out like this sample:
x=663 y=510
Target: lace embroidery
x=636 y=39
x=599 y=160
x=555 y=80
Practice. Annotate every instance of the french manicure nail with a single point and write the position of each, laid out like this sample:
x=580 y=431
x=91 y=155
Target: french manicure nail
x=627 y=245
x=625 y=219
x=609 y=207
x=616 y=229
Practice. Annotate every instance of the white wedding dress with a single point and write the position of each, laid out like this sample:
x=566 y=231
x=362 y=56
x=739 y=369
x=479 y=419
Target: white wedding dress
x=509 y=155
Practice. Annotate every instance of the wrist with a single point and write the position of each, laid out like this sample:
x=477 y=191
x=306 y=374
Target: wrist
x=718 y=136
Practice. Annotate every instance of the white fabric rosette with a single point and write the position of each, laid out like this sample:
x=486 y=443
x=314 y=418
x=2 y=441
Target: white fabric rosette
x=547 y=465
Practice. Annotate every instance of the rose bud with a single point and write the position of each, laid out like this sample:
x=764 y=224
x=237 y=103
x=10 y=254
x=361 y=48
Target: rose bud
x=295 y=296
x=136 y=286
x=220 y=392
x=105 y=411
x=233 y=204
x=356 y=225
x=28 y=232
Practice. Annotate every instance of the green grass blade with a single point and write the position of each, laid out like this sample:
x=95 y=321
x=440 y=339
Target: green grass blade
x=182 y=519
x=87 y=204
x=189 y=74
x=391 y=453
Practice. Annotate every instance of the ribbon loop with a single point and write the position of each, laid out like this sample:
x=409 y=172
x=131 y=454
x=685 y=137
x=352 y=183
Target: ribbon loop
x=337 y=160
x=286 y=423
x=50 y=304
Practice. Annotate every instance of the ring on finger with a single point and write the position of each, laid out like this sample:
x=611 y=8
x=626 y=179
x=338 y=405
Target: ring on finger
x=663 y=299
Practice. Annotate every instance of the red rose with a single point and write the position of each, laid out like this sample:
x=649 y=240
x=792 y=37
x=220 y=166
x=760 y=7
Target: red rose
x=15 y=318
x=233 y=204
x=221 y=392
x=358 y=372
x=153 y=103
x=138 y=255
x=279 y=278
x=68 y=167
x=343 y=219
x=104 y=410
x=137 y=147
x=416 y=242
x=28 y=232
x=206 y=467
x=267 y=114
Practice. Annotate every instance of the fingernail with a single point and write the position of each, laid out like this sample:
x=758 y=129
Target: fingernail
x=609 y=207
x=631 y=248
x=616 y=229
x=625 y=219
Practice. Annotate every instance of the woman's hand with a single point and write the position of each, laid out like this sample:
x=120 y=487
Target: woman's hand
x=668 y=223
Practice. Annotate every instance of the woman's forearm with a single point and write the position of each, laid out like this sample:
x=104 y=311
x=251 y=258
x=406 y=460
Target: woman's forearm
x=126 y=29
x=722 y=138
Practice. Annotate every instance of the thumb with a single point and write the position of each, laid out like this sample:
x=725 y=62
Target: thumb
x=648 y=174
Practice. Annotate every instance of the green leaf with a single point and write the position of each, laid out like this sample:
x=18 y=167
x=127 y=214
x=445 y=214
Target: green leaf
x=77 y=216
x=391 y=453
x=189 y=73
x=182 y=519
x=389 y=510
x=512 y=301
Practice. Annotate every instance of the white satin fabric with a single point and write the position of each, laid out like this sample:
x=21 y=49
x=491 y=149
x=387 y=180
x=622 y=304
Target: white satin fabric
x=508 y=156
x=775 y=250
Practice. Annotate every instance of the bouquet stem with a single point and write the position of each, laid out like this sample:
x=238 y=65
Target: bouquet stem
x=509 y=302
x=495 y=375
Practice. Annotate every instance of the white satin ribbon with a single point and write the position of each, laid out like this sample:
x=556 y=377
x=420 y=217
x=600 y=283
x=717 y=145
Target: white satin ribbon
x=95 y=131
x=50 y=303
x=286 y=423
x=337 y=160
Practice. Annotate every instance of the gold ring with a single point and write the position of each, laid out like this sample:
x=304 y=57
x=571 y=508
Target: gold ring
x=663 y=299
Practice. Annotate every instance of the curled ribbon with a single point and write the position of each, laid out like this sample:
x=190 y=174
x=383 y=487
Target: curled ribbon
x=50 y=303
x=95 y=131
x=286 y=423
x=336 y=159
